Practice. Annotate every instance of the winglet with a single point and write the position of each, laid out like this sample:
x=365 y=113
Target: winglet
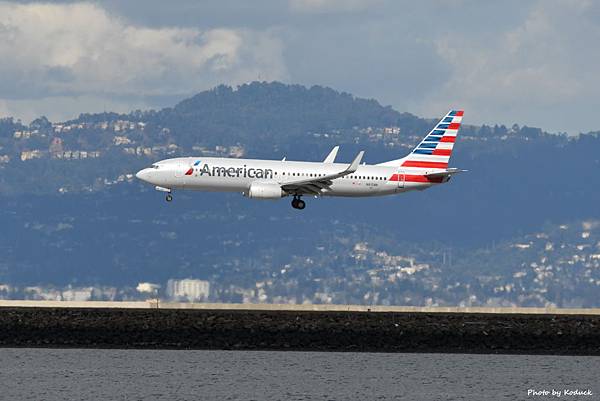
x=355 y=163
x=331 y=156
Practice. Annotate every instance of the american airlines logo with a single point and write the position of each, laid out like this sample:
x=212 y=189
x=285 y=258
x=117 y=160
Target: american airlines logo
x=191 y=170
x=237 y=172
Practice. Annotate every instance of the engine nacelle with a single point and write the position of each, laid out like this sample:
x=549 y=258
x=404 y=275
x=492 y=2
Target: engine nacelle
x=265 y=190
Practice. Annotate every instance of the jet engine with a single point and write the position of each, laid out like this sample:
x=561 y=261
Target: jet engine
x=265 y=190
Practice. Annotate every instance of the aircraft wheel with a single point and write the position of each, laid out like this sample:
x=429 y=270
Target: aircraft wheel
x=169 y=197
x=295 y=203
x=300 y=204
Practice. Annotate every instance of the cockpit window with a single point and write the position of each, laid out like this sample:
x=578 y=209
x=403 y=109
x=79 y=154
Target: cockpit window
x=154 y=166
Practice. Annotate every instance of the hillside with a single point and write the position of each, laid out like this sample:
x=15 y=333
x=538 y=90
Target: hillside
x=74 y=215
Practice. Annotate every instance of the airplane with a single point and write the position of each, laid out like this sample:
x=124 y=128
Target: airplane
x=424 y=167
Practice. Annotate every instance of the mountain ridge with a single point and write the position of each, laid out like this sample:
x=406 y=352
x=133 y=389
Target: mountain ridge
x=74 y=213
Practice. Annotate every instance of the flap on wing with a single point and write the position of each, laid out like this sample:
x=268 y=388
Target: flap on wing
x=445 y=173
x=315 y=185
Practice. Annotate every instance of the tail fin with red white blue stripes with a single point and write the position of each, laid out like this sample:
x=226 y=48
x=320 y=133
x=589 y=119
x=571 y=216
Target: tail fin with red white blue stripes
x=434 y=151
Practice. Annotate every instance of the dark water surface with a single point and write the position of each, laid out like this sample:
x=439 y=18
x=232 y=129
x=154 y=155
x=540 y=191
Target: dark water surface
x=86 y=374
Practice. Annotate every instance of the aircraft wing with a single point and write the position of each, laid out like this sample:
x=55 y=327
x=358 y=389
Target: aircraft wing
x=331 y=156
x=314 y=185
x=446 y=173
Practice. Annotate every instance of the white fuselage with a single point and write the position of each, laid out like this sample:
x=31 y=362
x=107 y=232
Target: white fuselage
x=237 y=175
x=425 y=166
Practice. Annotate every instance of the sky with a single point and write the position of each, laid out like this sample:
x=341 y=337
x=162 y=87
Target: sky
x=532 y=62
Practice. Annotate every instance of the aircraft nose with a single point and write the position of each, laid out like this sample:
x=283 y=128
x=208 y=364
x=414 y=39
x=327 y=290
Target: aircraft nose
x=143 y=174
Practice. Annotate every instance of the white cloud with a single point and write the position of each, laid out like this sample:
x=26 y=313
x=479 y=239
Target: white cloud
x=532 y=73
x=532 y=63
x=81 y=50
x=329 y=6
x=61 y=108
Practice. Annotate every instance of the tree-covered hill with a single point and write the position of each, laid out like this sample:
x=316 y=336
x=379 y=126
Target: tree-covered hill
x=72 y=210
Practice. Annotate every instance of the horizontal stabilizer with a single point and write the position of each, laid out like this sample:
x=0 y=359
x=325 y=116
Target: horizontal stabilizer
x=445 y=173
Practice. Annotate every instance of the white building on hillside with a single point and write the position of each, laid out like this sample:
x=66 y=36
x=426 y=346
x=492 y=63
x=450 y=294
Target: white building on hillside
x=188 y=289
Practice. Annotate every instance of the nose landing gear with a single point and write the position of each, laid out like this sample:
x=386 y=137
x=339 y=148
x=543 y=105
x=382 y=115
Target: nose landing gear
x=169 y=197
x=298 y=203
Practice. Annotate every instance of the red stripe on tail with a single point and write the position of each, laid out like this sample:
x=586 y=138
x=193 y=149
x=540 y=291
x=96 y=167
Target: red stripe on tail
x=442 y=152
x=415 y=163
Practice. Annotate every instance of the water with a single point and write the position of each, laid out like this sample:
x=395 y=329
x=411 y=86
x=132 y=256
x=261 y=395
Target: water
x=59 y=374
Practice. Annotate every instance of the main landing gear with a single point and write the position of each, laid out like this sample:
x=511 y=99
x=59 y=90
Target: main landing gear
x=169 y=197
x=298 y=203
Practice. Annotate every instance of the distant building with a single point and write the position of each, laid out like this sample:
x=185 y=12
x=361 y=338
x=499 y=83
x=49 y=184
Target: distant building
x=22 y=134
x=391 y=130
x=31 y=154
x=188 y=289
x=56 y=147
x=121 y=140
x=77 y=294
x=236 y=151
x=148 y=287
x=41 y=293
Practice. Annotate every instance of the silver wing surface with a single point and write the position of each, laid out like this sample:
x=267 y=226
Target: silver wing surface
x=316 y=185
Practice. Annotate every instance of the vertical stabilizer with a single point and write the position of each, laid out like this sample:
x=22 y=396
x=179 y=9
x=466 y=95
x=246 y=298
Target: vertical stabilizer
x=435 y=149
